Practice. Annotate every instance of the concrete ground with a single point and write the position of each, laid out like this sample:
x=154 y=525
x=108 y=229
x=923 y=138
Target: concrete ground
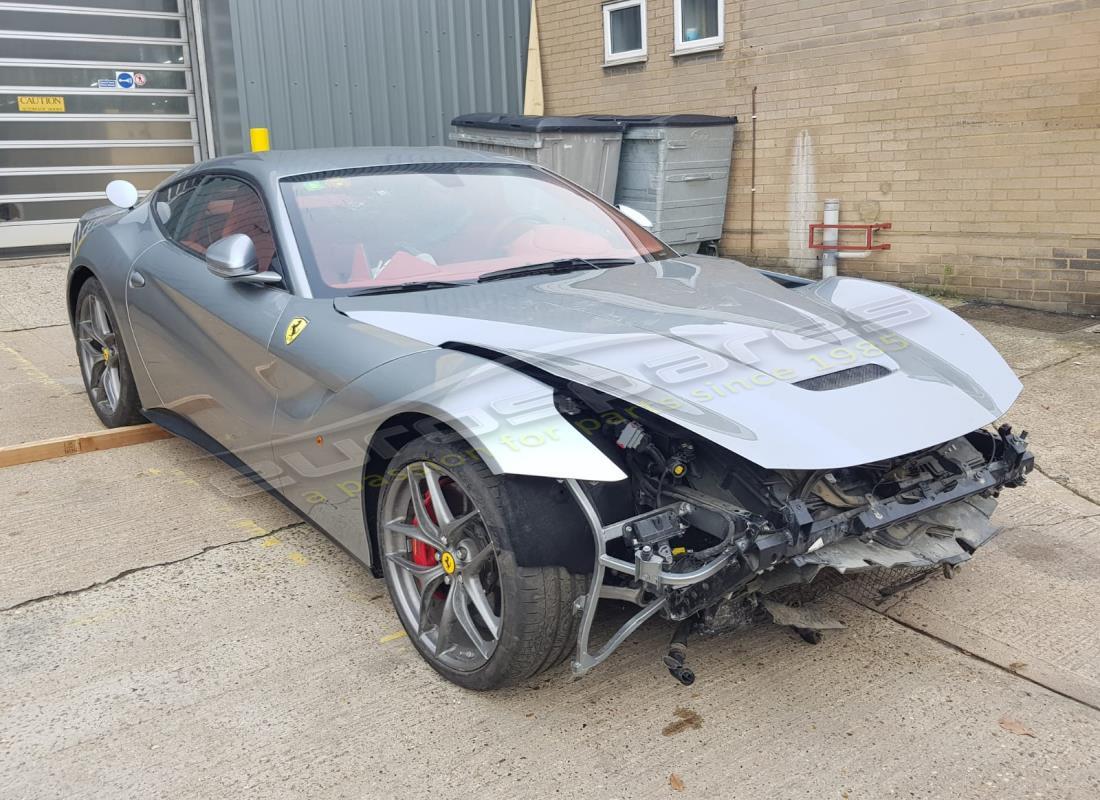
x=161 y=639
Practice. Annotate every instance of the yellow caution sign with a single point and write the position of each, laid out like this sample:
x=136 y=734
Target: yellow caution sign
x=295 y=328
x=41 y=104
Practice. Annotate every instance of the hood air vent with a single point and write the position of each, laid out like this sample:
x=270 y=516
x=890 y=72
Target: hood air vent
x=845 y=377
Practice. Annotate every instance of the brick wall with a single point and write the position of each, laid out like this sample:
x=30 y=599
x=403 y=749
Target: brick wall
x=972 y=125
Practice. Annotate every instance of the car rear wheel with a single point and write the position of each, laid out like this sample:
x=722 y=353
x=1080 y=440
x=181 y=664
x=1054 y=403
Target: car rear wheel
x=476 y=616
x=103 y=362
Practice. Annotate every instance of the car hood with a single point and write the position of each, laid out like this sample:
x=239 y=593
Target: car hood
x=730 y=354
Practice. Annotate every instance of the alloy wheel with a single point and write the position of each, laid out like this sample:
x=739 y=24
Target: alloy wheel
x=442 y=566
x=99 y=356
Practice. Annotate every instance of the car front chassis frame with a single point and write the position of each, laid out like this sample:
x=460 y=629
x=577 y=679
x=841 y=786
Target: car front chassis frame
x=942 y=526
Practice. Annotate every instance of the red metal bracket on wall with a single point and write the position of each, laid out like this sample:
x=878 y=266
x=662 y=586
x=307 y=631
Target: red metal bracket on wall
x=868 y=230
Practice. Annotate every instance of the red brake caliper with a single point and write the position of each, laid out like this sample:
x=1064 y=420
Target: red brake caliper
x=423 y=555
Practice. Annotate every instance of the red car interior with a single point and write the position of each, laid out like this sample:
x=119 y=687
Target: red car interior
x=237 y=211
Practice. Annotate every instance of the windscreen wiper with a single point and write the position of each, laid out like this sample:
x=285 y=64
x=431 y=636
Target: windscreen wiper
x=409 y=286
x=561 y=265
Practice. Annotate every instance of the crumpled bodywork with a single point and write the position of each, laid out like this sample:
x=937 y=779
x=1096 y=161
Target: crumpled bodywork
x=945 y=535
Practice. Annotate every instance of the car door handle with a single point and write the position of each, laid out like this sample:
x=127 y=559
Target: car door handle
x=137 y=280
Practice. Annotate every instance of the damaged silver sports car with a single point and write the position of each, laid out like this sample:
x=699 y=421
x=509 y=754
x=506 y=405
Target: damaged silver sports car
x=512 y=402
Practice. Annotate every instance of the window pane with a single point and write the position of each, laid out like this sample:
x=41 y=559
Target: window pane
x=626 y=29
x=94 y=156
x=170 y=6
x=222 y=207
x=122 y=102
x=698 y=19
x=124 y=55
x=170 y=202
x=33 y=130
x=70 y=184
x=89 y=24
x=82 y=77
x=361 y=229
x=42 y=212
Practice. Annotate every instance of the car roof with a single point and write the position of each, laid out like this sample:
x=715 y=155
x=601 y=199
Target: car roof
x=273 y=165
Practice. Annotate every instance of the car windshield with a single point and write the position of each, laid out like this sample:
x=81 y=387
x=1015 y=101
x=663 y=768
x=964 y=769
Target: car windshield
x=370 y=228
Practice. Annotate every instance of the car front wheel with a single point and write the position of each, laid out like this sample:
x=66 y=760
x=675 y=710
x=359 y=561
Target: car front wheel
x=453 y=568
x=103 y=362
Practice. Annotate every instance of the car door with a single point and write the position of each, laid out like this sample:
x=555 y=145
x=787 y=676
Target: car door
x=202 y=338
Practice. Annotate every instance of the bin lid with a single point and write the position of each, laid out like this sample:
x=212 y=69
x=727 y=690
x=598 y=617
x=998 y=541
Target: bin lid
x=666 y=120
x=521 y=122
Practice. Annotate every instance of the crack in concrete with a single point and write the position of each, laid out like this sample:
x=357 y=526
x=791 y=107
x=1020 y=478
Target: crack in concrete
x=1051 y=523
x=36 y=327
x=960 y=649
x=882 y=611
x=132 y=570
x=1062 y=481
x=1045 y=367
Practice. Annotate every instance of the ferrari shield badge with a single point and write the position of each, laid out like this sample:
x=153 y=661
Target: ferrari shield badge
x=447 y=561
x=295 y=328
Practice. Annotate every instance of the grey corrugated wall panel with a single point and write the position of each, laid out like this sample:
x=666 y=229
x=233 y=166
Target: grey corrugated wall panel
x=333 y=73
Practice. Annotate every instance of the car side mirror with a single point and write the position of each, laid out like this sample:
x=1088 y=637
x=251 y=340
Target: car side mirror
x=635 y=216
x=234 y=258
x=122 y=194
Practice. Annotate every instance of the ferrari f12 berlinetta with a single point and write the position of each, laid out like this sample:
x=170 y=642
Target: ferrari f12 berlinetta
x=512 y=401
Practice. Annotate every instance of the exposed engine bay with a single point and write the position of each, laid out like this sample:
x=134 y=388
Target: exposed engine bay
x=702 y=536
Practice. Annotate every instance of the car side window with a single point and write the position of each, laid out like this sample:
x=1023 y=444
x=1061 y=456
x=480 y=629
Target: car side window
x=170 y=202
x=220 y=207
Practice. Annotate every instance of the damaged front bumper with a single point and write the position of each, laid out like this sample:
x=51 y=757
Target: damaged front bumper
x=947 y=522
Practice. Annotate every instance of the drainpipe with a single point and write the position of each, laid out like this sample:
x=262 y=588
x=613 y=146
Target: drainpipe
x=830 y=236
x=752 y=196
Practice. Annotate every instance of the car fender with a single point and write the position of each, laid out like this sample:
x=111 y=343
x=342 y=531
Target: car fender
x=107 y=243
x=507 y=419
x=507 y=416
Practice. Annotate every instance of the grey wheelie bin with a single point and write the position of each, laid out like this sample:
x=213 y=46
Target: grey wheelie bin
x=675 y=169
x=586 y=151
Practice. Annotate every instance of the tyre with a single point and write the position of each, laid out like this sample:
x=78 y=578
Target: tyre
x=103 y=362
x=452 y=556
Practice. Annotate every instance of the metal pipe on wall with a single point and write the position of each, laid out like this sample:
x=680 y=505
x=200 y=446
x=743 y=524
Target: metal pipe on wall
x=830 y=237
x=752 y=190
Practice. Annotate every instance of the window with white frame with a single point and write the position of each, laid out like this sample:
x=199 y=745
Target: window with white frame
x=624 y=31
x=699 y=24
